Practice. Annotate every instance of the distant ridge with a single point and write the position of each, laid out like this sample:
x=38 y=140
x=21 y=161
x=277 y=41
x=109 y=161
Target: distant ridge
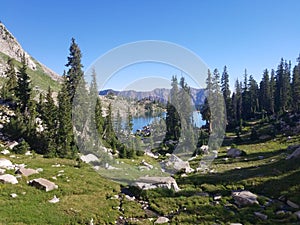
x=160 y=94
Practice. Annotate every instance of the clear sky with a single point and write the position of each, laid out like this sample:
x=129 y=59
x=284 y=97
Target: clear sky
x=238 y=33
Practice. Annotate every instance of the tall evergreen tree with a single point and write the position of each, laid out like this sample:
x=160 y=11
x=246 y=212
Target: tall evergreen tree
x=226 y=93
x=23 y=89
x=265 y=93
x=65 y=138
x=272 y=92
x=75 y=73
x=11 y=84
x=253 y=96
x=296 y=87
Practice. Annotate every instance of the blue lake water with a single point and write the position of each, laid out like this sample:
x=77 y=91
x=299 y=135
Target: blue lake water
x=141 y=121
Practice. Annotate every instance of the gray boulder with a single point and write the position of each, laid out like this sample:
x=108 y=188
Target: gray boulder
x=5 y=164
x=161 y=220
x=8 y=178
x=146 y=183
x=243 y=198
x=234 y=152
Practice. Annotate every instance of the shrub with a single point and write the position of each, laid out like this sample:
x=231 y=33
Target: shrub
x=21 y=148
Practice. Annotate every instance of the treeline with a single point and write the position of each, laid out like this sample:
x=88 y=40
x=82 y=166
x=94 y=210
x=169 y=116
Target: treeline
x=276 y=94
x=45 y=123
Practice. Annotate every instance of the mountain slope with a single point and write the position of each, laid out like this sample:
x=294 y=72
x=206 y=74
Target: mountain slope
x=160 y=94
x=41 y=76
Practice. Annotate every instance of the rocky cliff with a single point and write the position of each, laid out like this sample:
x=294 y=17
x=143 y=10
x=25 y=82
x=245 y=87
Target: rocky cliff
x=9 y=46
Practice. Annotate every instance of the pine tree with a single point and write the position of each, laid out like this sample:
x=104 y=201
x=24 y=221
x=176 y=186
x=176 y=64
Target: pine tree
x=205 y=109
x=272 y=92
x=296 y=87
x=253 y=96
x=65 y=138
x=11 y=84
x=226 y=93
x=265 y=93
x=75 y=73
x=23 y=89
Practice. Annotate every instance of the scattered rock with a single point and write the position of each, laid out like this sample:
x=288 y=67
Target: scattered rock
x=43 y=184
x=109 y=167
x=264 y=137
x=234 y=152
x=89 y=158
x=177 y=164
x=13 y=195
x=2 y=171
x=5 y=152
x=280 y=212
x=217 y=197
x=26 y=172
x=292 y=147
x=5 y=164
x=54 y=199
x=292 y=204
x=146 y=183
x=12 y=144
x=28 y=153
x=39 y=170
x=130 y=198
x=235 y=224
x=243 y=198
x=161 y=220
x=144 y=163
x=8 y=178
x=297 y=214
x=204 y=149
x=295 y=154
x=261 y=215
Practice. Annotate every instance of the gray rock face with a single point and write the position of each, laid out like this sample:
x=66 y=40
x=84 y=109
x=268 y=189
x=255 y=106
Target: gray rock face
x=243 y=198
x=10 y=46
x=146 y=183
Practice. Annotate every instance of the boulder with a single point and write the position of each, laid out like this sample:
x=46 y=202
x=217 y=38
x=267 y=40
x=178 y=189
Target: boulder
x=297 y=214
x=5 y=152
x=5 y=164
x=2 y=171
x=12 y=144
x=261 y=215
x=13 y=195
x=89 y=158
x=8 y=178
x=177 y=164
x=234 y=152
x=146 y=183
x=54 y=199
x=292 y=204
x=144 y=163
x=243 y=198
x=295 y=154
x=43 y=184
x=26 y=172
x=161 y=220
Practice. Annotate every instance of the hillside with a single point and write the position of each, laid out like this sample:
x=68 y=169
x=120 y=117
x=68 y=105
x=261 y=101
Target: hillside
x=160 y=94
x=41 y=76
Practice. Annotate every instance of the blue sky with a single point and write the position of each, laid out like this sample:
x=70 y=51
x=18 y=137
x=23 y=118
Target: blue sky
x=240 y=34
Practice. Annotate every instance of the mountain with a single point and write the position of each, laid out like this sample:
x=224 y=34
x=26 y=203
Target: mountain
x=41 y=76
x=160 y=94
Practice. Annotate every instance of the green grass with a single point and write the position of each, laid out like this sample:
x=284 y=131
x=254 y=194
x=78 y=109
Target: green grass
x=83 y=194
x=38 y=77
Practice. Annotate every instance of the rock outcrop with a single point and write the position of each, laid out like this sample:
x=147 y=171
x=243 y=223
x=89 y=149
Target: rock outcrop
x=146 y=183
x=11 y=47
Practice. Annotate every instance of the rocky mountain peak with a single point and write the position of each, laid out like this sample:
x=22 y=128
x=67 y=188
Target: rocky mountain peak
x=11 y=47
